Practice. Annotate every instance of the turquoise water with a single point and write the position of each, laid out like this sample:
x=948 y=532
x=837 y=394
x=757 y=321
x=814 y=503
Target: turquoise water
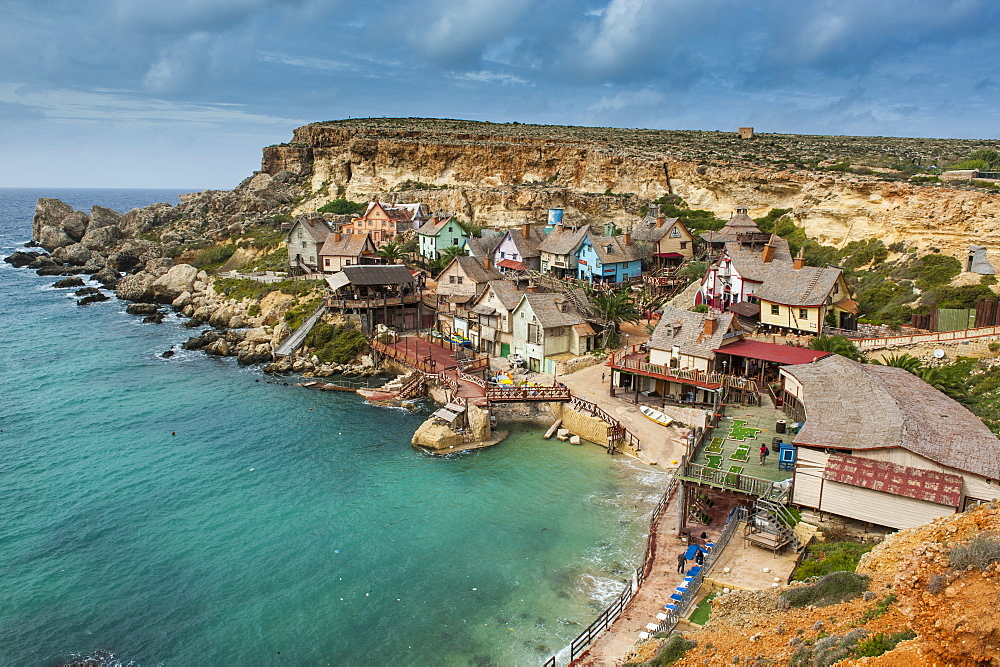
x=279 y=525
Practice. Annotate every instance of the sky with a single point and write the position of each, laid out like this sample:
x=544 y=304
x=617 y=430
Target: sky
x=186 y=93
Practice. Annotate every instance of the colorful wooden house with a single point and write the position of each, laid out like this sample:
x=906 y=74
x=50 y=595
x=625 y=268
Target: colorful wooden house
x=438 y=233
x=609 y=259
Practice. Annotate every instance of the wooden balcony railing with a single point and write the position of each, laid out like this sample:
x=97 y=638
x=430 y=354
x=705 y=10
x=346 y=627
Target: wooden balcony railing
x=371 y=302
x=501 y=395
x=729 y=480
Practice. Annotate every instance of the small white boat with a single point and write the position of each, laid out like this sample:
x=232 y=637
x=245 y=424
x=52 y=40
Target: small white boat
x=655 y=415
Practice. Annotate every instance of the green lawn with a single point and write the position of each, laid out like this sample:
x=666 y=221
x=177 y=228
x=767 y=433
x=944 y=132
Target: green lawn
x=741 y=454
x=714 y=461
x=733 y=472
x=715 y=447
x=703 y=609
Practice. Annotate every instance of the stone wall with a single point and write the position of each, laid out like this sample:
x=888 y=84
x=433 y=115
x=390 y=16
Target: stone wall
x=587 y=427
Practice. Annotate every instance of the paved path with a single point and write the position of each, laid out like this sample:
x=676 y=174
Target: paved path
x=660 y=444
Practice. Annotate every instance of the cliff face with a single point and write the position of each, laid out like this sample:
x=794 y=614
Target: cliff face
x=504 y=174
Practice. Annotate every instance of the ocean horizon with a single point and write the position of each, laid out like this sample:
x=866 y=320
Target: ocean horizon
x=187 y=510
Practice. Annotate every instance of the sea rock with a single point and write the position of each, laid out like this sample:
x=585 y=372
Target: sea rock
x=257 y=336
x=123 y=260
x=167 y=354
x=219 y=348
x=103 y=217
x=279 y=367
x=75 y=225
x=93 y=298
x=19 y=258
x=155 y=318
x=41 y=262
x=142 y=308
x=236 y=322
x=254 y=355
x=435 y=435
x=107 y=277
x=182 y=301
x=137 y=287
x=68 y=282
x=102 y=238
x=87 y=291
x=76 y=254
x=52 y=270
x=194 y=322
x=51 y=238
x=48 y=213
x=220 y=318
x=177 y=280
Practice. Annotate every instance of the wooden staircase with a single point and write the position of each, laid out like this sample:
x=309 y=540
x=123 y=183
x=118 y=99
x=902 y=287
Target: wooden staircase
x=771 y=526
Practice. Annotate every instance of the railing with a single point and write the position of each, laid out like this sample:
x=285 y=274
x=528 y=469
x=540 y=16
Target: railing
x=607 y=617
x=501 y=395
x=472 y=378
x=476 y=360
x=584 y=405
x=370 y=302
x=412 y=386
x=939 y=337
x=727 y=480
x=404 y=356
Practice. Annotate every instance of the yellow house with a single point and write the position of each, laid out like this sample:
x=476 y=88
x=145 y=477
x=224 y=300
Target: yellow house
x=669 y=241
x=799 y=298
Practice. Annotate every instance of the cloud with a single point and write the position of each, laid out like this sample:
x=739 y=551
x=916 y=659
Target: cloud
x=623 y=100
x=484 y=76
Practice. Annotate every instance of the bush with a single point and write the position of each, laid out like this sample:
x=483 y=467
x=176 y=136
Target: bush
x=880 y=643
x=981 y=552
x=212 y=258
x=672 y=651
x=336 y=344
x=343 y=207
x=934 y=270
x=301 y=312
x=832 y=589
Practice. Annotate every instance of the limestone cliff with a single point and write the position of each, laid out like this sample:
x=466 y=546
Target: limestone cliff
x=504 y=174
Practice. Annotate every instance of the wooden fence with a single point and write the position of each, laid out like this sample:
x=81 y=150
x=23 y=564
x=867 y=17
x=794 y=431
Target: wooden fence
x=584 y=405
x=702 y=474
x=517 y=394
x=939 y=337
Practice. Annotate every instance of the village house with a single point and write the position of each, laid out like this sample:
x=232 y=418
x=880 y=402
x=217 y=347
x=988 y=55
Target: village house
x=385 y=221
x=547 y=327
x=340 y=250
x=372 y=295
x=458 y=285
x=439 y=233
x=304 y=241
x=518 y=249
x=483 y=245
x=491 y=318
x=879 y=444
x=739 y=229
x=762 y=283
x=609 y=259
x=558 y=253
x=669 y=242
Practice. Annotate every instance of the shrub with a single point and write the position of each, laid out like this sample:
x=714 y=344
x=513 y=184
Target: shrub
x=336 y=344
x=834 y=588
x=880 y=643
x=212 y=258
x=300 y=312
x=672 y=651
x=978 y=554
x=988 y=280
x=701 y=308
x=880 y=608
x=343 y=207
x=933 y=270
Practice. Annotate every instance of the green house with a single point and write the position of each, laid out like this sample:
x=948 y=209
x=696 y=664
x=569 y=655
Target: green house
x=437 y=234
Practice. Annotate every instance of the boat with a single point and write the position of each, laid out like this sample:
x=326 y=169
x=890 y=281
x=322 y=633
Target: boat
x=655 y=415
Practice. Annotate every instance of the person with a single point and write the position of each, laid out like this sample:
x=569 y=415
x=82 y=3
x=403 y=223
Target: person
x=602 y=376
x=699 y=558
x=681 y=562
x=764 y=451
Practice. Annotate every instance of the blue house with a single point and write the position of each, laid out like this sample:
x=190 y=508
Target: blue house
x=609 y=259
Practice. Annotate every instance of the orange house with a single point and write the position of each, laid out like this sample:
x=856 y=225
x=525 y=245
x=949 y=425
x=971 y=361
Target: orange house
x=384 y=221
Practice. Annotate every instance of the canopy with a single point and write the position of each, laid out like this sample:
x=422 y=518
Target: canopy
x=511 y=264
x=782 y=354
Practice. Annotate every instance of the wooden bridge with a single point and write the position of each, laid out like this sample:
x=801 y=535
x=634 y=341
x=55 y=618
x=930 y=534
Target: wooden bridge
x=519 y=394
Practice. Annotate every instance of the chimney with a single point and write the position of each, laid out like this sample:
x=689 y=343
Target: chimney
x=526 y=230
x=799 y=261
x=486 y=262
x=660 y=221
x=768 y=253
x=710 y=323
x=627 y=239
x=337 y=236
x=532 y=287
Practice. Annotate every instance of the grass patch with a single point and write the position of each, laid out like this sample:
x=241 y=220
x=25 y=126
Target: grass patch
x=715 y=447
x=880 y=608
x=741 y=454
x=299 y=313
x=211 y=258
x=827 y=557
x=672 y=651
x=714 y=461
x=978 y=554
x=703 y=609
x=276 y=260
x=832 y=589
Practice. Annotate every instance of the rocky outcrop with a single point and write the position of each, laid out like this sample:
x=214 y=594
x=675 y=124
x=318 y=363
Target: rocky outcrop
x=68 y=282
x=436 y=436
x=19 y=258
x=177 y=280
x=138 y=287
x=48 y=213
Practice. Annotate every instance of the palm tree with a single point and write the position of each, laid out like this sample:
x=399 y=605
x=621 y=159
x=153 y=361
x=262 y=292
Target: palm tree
x=450 y=253
x=391 y=252
x=907 y=362
x=836 y=345
x=613 y=308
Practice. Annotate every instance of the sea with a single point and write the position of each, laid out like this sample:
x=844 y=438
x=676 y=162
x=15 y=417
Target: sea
x=189 y=511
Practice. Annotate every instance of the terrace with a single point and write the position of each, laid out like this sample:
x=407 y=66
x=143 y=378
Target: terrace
x=729 y=455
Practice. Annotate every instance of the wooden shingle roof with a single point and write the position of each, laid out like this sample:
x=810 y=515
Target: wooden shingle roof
x=686 y=330
x=854 y=406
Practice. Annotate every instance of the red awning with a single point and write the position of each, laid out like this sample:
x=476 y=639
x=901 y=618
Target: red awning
x=669 y=255
x=511 y=264
x=782 y=354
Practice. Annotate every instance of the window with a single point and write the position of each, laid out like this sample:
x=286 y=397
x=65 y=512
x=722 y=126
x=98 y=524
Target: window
x=451 y=280
x=675 y=233
x=460 y=279
x=347 y=263
x=803 y=313
x=684 y=244
x=534 y=334
x=303 y=244
x=775 y=309
x=557 y=332
x=326 y=262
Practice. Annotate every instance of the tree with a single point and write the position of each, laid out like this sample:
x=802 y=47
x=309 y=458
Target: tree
x=907 y=362
x=450 y=253
x=836 y=345
x=342 y=207
x=391 y=252
x=613 y=308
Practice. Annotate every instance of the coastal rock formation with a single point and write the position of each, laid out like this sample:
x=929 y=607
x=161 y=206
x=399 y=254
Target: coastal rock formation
x=68 y=282
x=137 y=287
x=176 y=281
x=48 y=213
x=435 y=435
x=19 y=258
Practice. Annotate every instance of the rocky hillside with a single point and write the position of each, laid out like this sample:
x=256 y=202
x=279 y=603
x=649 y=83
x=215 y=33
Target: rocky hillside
x=931 y=600
x=496 y=174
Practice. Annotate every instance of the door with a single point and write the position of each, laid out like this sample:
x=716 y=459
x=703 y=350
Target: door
x=504 y=349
